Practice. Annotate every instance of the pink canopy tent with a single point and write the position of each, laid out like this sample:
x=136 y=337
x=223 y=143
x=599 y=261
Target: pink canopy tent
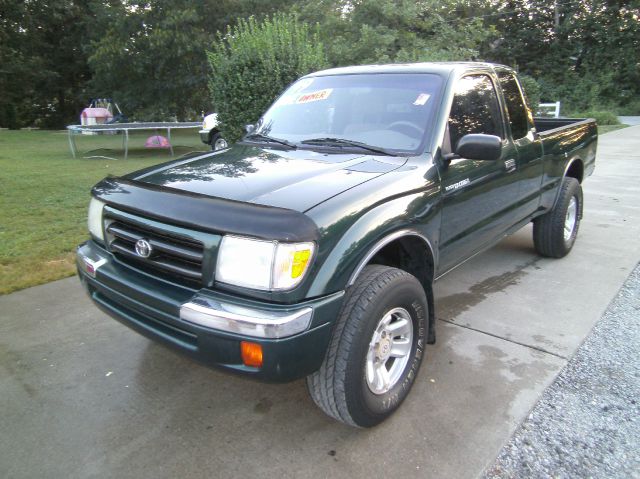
x=157 y=141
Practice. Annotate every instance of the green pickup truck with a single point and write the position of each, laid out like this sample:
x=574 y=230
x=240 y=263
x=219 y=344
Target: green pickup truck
x=309 y=249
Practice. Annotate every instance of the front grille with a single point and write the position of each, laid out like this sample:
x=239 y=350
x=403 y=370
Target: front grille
x=172 y=255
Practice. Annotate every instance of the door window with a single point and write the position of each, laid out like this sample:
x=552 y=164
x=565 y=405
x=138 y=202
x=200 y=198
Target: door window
x=515 y=105
x=475 y=109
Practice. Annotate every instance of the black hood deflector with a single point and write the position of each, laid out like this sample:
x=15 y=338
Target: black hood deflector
x=205 y=213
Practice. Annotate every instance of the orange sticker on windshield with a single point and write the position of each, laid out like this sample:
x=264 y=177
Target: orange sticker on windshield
x=315 y=96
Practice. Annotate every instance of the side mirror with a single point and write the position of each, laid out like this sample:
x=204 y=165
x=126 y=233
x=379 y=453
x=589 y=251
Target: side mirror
x=249 y=128
x=479 y=147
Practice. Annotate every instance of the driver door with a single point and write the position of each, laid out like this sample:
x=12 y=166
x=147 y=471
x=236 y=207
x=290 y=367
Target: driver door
x=477 y=196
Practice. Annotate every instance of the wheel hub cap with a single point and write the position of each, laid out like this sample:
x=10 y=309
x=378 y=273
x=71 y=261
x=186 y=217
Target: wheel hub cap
x=220 y=144
x=383 y=349
x=389 y=350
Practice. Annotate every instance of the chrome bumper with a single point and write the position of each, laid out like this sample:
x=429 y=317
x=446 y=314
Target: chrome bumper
x=214 y=314
x=223 y=316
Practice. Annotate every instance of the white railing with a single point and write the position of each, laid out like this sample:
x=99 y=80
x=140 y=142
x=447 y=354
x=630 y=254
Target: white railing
x=549 y=109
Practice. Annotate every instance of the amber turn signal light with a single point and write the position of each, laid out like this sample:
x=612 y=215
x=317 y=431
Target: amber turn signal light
x=251 y=354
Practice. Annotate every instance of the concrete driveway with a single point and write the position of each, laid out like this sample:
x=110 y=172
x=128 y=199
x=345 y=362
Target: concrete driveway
x=83 y=396
x=629 y=120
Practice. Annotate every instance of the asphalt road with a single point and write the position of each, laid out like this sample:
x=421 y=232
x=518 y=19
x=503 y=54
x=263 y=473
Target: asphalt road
x=83 y=396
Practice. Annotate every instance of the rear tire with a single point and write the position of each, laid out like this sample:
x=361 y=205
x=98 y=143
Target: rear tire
x=376 y=349
x=555 y=232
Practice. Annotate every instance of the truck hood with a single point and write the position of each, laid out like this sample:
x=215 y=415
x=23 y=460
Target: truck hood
x=295 y=179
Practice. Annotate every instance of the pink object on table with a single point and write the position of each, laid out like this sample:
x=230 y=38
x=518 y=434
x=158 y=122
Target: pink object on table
x=95 y=116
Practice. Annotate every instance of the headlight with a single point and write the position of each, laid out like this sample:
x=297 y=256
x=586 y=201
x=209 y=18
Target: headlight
x=210 y=121
x=258 y=264
x=95 y=218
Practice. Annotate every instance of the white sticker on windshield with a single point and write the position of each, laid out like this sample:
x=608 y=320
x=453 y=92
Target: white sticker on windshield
x=422 y=99
x=301 y=85
x=314 y=96
x=285 y=100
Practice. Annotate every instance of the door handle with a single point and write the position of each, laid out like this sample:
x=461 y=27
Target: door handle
x=510 y=165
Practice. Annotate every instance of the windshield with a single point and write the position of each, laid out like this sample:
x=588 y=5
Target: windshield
x=388 y=111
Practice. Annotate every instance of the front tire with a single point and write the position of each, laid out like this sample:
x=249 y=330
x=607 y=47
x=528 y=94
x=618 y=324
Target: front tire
x=376 y=349
x=555 y=232
x=217 y=142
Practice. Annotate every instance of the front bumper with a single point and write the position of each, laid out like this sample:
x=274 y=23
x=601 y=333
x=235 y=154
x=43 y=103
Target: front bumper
x=207 y=325
x=205 y=136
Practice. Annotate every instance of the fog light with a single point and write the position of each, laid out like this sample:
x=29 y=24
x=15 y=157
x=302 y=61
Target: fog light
x=251 y=354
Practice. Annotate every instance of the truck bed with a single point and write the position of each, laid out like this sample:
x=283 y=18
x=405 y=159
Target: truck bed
x=548 y=124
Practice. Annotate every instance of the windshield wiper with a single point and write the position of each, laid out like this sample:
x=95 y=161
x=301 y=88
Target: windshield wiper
x=342 y=142
x=269 y=139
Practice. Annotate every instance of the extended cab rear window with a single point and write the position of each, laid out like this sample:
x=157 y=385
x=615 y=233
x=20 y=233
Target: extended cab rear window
x=515 y=105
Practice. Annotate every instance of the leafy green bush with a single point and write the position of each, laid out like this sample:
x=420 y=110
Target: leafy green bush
x=631 y=108
x=532 y=90
x=577 y=93
x=601 y=117
x=254 y=61
x=583 y=95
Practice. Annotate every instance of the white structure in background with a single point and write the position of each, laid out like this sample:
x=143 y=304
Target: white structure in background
x=549 y=109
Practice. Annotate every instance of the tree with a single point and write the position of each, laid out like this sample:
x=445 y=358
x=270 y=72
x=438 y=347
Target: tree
x=254 y=61
x=152 y=58
x=584 y=52
x=43 y=69
x=382 y=31
x=150 y=55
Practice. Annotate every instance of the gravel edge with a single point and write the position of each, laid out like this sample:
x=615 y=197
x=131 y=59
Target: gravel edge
x=587 y=422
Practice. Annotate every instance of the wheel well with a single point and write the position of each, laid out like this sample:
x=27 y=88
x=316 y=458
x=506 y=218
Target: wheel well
x=576 y=170
x=411 y=254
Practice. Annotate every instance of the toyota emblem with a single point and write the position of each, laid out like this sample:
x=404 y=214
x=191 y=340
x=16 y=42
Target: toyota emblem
x=143 y=248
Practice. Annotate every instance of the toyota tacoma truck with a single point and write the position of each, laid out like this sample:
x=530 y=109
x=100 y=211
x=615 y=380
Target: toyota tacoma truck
x=309 y=248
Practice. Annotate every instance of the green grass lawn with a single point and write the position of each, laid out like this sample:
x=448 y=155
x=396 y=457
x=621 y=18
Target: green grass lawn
x=44 y=194
x=607 y=128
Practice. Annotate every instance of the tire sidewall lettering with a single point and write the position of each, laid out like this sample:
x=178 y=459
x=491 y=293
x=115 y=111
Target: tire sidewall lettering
x=574 y=233
x=384 y=403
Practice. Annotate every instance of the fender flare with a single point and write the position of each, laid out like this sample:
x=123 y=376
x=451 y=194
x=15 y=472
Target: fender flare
x=389 y=238
x=379 y=245
x=415 y=216
x=564 y=175
x=372 y=231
